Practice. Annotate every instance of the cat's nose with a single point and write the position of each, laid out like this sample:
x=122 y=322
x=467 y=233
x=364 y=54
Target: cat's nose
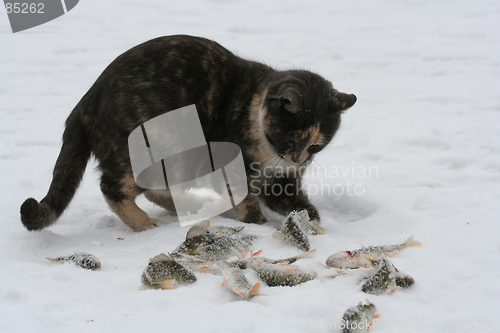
x=297 y=157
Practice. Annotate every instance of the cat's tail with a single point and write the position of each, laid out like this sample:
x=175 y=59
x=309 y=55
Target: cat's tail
x=68 y=173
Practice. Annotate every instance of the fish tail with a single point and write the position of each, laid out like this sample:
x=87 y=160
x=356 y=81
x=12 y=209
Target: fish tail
x=411 y=242
x=51 y=259
x=167 y=284
x=255 y=290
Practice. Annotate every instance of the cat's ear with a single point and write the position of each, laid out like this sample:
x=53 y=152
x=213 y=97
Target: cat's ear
x=286 y=103
x=343 y=101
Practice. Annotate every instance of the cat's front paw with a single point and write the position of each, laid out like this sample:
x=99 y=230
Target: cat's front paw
x=148 y=224
x=313 y=215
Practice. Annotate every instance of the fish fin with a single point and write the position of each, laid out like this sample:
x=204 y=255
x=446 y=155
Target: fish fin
x=237 y=253
x=411 y=242
x=195 y=231
x=252 y=254
x=50 y=259
x=223 y=284
x=318 y=230
x=289 y=268
x=204 y=268
x=392 y=253
x=237 y=291
x=255 y=290
x=188 y=256
x=205 y=223
x=376 y=316
x=368 y=260
x=238 y=229
x=308 y=254
x=395 y=289
x=279 y=236
x=167 y=284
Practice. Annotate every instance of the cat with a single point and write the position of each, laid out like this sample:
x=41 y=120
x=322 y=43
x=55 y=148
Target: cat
x=277 y=118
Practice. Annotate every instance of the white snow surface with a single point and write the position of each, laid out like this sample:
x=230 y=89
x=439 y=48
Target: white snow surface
x=427 y=77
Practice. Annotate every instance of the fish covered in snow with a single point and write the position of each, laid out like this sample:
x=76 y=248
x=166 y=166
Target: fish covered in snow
x=291 y=232
x=388 y=250
x=309 y=226
x=235 y=281
x=213 y=243
x=81 y=259
x=387 y=278
x=357 y=259
x=348 y=259
x=290 y=260
x=163 y=272
x=358 y=319
x=281 y=274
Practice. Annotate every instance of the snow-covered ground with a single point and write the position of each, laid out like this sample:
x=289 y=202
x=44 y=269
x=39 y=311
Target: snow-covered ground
x=427 y=78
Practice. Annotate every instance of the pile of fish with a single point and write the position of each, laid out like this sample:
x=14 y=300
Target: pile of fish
x=226 y=252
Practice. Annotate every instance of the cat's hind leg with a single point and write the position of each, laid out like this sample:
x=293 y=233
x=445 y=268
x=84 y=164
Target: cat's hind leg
x=120 y=195
x=162 y=198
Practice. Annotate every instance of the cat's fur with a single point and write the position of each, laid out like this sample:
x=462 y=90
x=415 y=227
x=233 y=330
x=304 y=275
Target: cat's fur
x=276 y=117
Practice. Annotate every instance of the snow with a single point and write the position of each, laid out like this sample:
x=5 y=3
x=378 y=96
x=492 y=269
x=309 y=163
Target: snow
x=426 y=74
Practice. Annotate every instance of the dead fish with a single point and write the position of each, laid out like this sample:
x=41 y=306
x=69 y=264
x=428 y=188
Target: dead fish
x=82 y=259
x=291 y=232
x=281 y=274
x=309 y=226
x=291 y=260
x=235 y=281
x=348 y=259
x=163 y=272
x=388 y=250
x=216 y=231
x=213 y=243
x=384 y=280
x=358 y=319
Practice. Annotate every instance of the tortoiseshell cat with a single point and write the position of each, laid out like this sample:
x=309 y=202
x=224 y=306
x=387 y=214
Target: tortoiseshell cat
x=278 y=116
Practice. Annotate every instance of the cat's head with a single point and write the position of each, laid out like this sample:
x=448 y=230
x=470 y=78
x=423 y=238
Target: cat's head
x=302 y=114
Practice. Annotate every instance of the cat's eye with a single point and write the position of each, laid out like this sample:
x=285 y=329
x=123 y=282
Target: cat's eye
x=313 y=149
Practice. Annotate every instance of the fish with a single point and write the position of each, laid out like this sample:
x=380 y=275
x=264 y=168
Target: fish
x=235 y=280
x=290 y=260
x=81 y=259
x=350 y=260
x=213 y=243
x=163 y=272
x=356 y=259
x=275 y=275
x=291 y=232
x=388 y=250
x=216 y=231
x=309 y=226
x=358 y=319
x=384 y=280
